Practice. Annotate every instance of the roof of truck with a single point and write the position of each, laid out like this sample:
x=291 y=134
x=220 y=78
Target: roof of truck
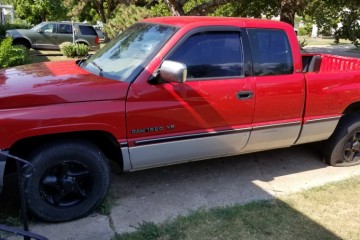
x=206 y=21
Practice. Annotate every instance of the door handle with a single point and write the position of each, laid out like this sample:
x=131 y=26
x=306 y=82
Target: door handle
x=243 y=95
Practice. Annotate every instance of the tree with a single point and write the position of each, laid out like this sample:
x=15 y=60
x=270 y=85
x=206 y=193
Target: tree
x=35 y=11
x=244 y=8
x=340 y=16
x=123 y=17
x=104 y=8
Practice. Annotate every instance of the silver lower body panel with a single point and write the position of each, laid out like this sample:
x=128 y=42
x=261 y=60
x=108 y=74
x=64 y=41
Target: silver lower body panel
x=173 y=152
x=318 y=130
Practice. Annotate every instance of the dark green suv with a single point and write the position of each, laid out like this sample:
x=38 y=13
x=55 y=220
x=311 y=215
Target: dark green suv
x=49 y=35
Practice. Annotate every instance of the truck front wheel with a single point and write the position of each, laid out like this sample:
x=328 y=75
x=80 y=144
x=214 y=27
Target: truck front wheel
x=342 y=149
x=70 y=181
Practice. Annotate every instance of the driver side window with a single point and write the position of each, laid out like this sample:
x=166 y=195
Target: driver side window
x=211 y=55
x=49 y=28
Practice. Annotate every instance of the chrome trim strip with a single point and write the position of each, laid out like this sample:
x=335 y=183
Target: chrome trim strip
x=123 y=144
x=189 y=136
x=277 y=125
x=323 y=119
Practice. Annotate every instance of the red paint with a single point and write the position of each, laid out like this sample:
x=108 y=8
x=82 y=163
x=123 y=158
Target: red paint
x=61 y=97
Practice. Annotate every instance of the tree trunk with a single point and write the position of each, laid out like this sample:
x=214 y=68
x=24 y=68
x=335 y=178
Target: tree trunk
x=100 y=9
x=287 y=11
x=175 y=7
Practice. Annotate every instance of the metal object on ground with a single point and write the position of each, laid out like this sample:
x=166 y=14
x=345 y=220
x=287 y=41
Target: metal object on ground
x=24 y=170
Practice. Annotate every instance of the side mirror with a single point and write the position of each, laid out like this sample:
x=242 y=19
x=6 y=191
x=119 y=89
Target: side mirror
x=171 y=71
x=40 y=31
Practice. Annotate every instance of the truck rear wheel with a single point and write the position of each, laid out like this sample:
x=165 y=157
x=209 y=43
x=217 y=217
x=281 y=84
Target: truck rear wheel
x=70 y=181
x=342 y=149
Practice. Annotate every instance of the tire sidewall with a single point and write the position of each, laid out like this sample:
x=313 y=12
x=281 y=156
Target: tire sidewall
x=347 y=127
x=79 y=152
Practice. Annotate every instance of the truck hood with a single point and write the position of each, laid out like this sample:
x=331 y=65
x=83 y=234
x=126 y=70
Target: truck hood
x=55 y=83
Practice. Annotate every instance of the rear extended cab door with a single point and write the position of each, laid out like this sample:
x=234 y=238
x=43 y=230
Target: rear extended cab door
x=280 y=88
x=209 y=115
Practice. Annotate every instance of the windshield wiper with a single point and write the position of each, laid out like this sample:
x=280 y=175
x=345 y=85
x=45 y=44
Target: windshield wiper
x=98 y=67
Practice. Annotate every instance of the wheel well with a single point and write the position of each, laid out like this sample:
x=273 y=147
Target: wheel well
x=83 y=42
x=352 y=108
x=105 y=141
x=18 y=40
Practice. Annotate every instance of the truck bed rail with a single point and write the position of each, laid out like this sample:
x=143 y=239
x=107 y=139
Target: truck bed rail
x=331 y=63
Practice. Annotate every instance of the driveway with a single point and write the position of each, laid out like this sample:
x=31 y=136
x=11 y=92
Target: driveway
x=159 y=194
x=347 y=50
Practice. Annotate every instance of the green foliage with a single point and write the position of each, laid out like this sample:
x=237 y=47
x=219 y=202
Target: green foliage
x=303 y=43
x=329 y=13
x=36 y=11
x=303 y=32
x=350 y=26
x=12 y=55
x=74 y=50
x=159 y=9
x=123 y=17
x=9 y=26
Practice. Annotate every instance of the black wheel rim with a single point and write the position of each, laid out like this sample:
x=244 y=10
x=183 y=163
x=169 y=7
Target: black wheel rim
x=351 y=151
x=66 y=184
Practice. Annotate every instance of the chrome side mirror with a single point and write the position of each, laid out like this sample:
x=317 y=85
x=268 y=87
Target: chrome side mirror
x=171 y=71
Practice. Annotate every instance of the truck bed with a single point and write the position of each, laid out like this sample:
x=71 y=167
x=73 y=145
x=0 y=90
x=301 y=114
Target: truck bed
x=323 y=63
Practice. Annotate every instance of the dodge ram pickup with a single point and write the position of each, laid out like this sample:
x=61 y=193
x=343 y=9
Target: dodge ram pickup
x=172 y=90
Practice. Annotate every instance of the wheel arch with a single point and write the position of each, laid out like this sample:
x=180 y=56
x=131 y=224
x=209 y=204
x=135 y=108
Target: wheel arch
x=82 y=41
x=352 y=108
x=23 y=39
x=105 y=141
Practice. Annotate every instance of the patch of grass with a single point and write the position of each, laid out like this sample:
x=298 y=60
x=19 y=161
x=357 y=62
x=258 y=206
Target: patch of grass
x=328 y=212
x=106 y=205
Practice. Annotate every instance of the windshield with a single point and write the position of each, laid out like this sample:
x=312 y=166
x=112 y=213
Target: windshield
x=125 y=56
x=38 y=27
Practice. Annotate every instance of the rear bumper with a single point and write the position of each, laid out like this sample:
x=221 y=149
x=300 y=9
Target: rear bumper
x=2 y=170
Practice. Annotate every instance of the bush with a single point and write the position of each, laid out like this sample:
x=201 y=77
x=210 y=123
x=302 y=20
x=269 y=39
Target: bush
x=303 y=32
x=9 y=26
x=74 y=50
x=12 y=55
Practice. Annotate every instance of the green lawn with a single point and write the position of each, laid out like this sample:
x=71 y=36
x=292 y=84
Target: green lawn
x=328 y=212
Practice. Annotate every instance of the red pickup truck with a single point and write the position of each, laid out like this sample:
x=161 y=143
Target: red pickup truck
x=171 y=90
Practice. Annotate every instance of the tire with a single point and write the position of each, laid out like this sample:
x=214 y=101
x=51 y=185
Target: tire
x=71 y=179
x=342 y=149
x=22 y=42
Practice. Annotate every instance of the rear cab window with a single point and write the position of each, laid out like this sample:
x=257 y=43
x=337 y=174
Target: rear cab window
x=271 y=52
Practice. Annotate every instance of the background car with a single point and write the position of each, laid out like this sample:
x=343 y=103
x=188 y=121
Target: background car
x=49 y=35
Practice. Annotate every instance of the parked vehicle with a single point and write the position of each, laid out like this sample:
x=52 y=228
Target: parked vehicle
x=49 y=35
x=172 y=90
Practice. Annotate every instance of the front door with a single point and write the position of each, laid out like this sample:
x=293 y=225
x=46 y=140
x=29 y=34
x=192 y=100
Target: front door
x=47 y=37
x=207 y=116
